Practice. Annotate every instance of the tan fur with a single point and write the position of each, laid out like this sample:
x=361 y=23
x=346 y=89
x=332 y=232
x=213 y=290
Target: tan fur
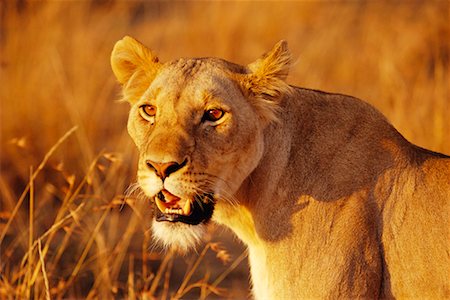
x=331 y=200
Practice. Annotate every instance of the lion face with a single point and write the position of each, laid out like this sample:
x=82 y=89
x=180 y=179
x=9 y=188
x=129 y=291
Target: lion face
x=198 y=134
x=196 y=144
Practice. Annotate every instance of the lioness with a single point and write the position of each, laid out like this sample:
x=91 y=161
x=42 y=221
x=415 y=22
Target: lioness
x=330 y=199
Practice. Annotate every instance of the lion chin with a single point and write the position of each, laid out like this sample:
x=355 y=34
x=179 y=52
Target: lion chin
x=177 y=235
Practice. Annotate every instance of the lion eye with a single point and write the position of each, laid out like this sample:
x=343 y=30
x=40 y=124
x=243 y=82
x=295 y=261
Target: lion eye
x=213 y=115
x=147 y=111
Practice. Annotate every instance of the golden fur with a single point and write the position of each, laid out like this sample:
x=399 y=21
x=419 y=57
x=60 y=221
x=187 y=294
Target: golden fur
x=330 y=199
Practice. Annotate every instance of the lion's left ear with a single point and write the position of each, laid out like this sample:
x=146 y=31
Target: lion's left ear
x=265 y=83
x=134 y=66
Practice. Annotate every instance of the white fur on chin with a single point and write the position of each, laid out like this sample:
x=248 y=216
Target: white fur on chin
x=178 y=235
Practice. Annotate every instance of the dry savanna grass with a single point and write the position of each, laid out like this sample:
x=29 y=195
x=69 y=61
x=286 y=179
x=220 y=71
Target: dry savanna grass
x=68 y=229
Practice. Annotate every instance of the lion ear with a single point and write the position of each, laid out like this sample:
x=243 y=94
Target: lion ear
x=134 y=66
x=265 y=82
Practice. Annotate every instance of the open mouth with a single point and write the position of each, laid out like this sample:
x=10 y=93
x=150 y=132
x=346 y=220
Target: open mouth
x=190 y=211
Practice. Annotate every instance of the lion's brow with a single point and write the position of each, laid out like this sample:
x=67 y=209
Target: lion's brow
x=208 y=95
x=153 y=94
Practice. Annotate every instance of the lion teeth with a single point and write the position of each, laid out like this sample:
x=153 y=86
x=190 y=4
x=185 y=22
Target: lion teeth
x=185 y=211
x=167 y=208
x=160 y=204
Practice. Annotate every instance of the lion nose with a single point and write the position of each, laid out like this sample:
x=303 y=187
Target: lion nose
x=163 y=170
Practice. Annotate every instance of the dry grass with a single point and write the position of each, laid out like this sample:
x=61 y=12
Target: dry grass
x=66 y=228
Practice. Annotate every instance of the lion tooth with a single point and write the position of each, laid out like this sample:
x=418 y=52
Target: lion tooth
x=160 y=204
x=187 y=208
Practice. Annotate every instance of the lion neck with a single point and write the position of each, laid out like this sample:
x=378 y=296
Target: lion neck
x=257 y=191
x=315 y=139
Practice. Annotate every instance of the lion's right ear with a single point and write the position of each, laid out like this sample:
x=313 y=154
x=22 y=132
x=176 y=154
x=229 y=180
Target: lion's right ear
x=134 y=66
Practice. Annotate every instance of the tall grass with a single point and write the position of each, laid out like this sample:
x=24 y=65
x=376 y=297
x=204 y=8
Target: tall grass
x=66 y=227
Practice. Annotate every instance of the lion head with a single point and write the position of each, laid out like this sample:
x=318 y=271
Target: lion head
x=198 y=125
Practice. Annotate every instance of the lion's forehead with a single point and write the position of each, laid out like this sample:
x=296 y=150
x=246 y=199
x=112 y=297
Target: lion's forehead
x=188 y=82
x=187 y=67
x=186 y=70
x=192 y=66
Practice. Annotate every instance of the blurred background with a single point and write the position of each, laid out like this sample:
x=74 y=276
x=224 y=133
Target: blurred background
x=67 y=226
